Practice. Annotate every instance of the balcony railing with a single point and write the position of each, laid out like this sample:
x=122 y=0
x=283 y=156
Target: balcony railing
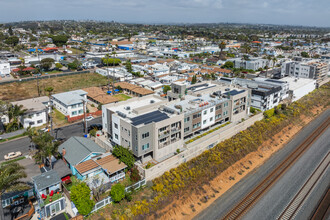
x=117 y=177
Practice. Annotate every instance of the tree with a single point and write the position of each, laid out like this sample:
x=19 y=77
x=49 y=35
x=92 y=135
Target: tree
x=194 y=79
x=59 y=40
x=74 y=65
x=124 y=155
x=166 y=88
x=117 y=192
x=304 y=54
x=80 y=195
x=228 y=65
x=49 y=90
x=12 y=40
x=10 y=31
x=15 y=112
x=46 y=63
x=128 y=66
x=135 y=175
x=58 y=66
x=111 y=61
x=222 y=46
x=10 y=180
x=46 y=147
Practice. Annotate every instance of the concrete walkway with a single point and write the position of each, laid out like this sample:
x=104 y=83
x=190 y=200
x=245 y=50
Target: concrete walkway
x=12 y=134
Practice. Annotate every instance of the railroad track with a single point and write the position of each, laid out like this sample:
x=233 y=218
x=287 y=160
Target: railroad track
x=297 y=202
x=239 y=210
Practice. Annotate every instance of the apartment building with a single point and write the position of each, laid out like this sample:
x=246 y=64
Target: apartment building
x=155 y=127
x=4 y=69
x=251 y=63
x=265 y=94
x=312 y=70
x=71 y=104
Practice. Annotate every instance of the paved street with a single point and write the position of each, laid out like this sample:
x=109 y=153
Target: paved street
x=223 y=204
x=23 y=144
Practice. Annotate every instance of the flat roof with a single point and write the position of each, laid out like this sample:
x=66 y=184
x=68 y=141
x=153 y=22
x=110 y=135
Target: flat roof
x=296 y=83
x=154 y=116
x=34 y=104
x=70 y=98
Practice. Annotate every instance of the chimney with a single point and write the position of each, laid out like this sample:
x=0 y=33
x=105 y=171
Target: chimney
x=63 y=152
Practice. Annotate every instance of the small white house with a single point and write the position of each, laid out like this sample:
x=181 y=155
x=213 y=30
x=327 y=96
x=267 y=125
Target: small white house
x=4 y=69
x=71 y=104
x=36 y=111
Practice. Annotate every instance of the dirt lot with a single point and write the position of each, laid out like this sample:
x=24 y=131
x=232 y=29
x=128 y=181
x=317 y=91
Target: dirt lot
x=25 y=90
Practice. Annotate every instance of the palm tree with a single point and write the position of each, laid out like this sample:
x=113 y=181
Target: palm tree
x=10 y=176
x=15 y=112
x=46 y=147
x=108 y=76
x=222 y=46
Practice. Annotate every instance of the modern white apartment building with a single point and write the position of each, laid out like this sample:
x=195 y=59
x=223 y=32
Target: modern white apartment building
x=4 y=69
x=71 y=104
x=154 y=127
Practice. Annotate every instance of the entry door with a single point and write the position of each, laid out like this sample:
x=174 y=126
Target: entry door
x=54 y=208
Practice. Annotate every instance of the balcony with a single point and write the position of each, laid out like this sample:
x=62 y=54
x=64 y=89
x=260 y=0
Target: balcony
x=175 y=129
x=117 y=177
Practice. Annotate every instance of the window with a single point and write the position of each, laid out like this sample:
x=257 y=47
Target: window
x=197 y=115
x=145 y=135
x=74 y=113
x=218 y=116
x=39 y=121
x=116 y=136
x=31 y=123
x=211 y=110
x=211 y=119
x=116 y=125
x=187 y=119
x=129 y=133
x=225 y=113
x=162 y=140
x=74 y=106
x=204 y=122
x=186 y=129
x=225 y=104
x=197 y=125
x=162 y=129
x=205 y=112
x=145 y=146
x=38 y=114
x=81 y=111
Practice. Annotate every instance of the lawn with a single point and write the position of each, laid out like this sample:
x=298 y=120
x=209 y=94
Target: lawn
x=58 y=118
x=75 y=51
x=122 y=97
x=13 y=160
x=24 y=90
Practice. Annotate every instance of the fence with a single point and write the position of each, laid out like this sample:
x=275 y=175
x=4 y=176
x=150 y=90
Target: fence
x=197 y=147
x=66 y=191
x=44 y=77
x=76 y=118
x=108 y=200
x=103 y=143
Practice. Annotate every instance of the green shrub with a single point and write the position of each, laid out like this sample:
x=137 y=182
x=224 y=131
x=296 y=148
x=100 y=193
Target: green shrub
x=117 y=192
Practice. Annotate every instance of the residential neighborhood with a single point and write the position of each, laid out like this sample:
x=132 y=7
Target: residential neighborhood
x=97 y=115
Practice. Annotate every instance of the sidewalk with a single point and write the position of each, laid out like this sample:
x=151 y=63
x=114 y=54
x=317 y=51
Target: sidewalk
x=12 y=134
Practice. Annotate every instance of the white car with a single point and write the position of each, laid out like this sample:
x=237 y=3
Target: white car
x=89 y=118
x=12 y=155
x=45 y=130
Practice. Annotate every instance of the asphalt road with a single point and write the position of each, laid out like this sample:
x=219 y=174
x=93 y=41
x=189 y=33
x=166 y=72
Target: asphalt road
x=66 y=132
x=228 y=200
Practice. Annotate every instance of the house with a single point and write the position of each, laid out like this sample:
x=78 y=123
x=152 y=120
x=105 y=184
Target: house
x=48 y=192
x=4 y=69
x=71 y=104
x=37 y=111
x=86 y=160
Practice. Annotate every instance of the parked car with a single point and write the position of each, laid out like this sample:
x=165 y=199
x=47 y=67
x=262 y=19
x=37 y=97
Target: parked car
x=12 y=155
x=44 y=129
x=94 y=126
x=89 y=118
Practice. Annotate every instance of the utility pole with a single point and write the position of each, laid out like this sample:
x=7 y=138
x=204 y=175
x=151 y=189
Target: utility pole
x=85 y=122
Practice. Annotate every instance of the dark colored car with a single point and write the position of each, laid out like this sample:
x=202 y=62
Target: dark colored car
x=94 y=126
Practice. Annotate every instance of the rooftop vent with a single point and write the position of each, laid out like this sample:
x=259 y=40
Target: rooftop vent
x=152 y=101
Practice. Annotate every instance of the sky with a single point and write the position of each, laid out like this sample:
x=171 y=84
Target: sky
x=288 y=12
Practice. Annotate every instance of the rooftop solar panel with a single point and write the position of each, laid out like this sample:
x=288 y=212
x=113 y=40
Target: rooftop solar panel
x=148 y=118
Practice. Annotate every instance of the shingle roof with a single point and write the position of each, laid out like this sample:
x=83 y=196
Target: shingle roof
x=46 y=179
x=78 y=148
